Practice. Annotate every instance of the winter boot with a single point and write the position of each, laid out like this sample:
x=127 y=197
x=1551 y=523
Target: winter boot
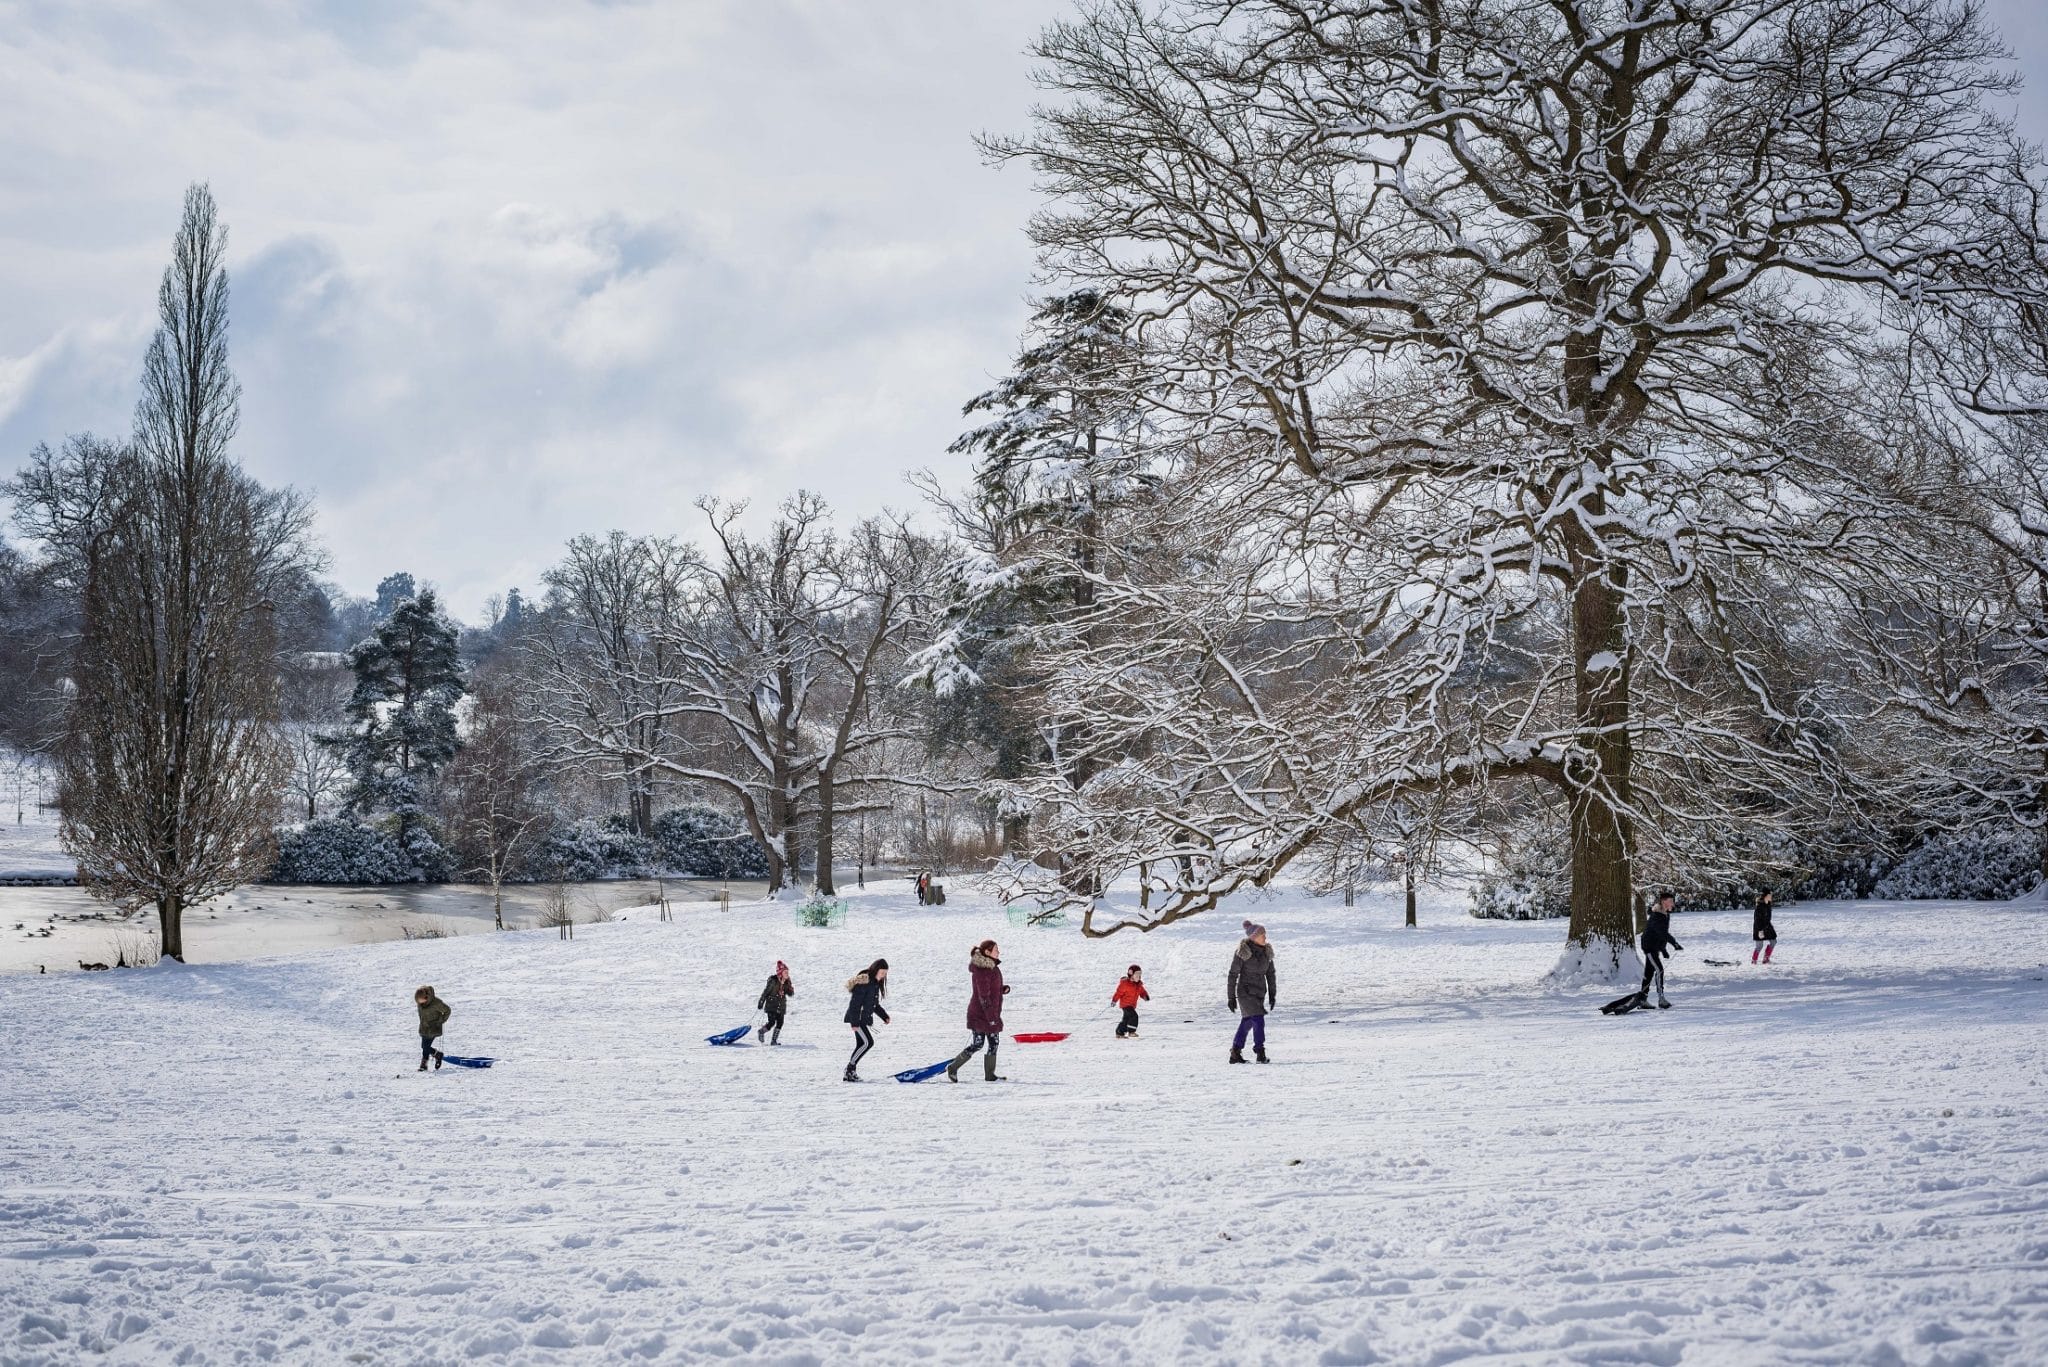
x=1767 y=952
x=423 y=1065
x=1754 y=952
x=438 y=1056
x=1662 y=1003
x=761 y=1032
x=959 y=1059
x=1237 y=1056
x=988 y=1068
x=1259 y=1053
x=851 y=1076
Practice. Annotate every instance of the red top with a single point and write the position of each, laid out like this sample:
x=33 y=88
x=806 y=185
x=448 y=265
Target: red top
x=1129 y=993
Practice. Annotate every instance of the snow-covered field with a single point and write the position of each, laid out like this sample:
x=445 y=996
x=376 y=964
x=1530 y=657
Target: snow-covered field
x=1841 y=1158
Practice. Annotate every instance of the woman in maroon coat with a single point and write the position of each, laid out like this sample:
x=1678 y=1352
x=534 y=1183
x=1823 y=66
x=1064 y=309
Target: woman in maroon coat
x=984 y=1010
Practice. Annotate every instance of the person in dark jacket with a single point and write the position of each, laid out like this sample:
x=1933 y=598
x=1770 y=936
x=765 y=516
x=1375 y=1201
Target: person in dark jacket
x=865 y=991
x=1761 y=930
x=434 y=1015
x=984 y=1011
x=1252 y=987
x=1130 y=990
x=1658 y=942
x=775 y=1001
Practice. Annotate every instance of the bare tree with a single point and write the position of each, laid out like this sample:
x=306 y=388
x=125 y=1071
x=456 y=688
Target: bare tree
x=766 y=682
x=488 y=792
x=1520 y=360
x=314 y=688
x=170 y=761
x=615 y=596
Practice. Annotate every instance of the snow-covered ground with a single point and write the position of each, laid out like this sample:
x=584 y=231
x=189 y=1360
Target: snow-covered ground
x=1841 y=1158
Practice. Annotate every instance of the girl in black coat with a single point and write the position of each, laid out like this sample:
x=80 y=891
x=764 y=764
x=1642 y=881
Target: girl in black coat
x=865 y=991
x=1762 y=931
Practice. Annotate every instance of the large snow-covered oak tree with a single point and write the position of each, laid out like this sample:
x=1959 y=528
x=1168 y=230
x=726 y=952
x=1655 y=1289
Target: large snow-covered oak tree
x=1519 y=358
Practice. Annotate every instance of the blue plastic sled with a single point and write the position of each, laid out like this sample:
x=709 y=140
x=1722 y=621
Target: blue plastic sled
x=731 y=1036
x=920 y=1074
x=460 y=1062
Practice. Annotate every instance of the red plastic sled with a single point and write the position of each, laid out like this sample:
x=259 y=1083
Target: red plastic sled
x=1041 y=1037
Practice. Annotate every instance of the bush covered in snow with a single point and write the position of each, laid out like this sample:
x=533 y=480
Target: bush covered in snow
x=1983 y=866
x=333 y=849
x=705 y=843
x=591 y=851
x=1527 y=882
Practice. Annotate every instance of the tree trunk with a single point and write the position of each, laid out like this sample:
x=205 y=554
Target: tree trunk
x=1017 y=836
x=170 y=922
x=826 y=803
x=1598 y=777
x=1408 y=886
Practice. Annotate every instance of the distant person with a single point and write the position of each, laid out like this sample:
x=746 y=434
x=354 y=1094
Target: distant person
x=865 y=991
x=984 y=1010
x=775 y=1001
x=924 y=888
x=1252 y=987
x=1658 y=942
x=1761 y=930
x=434 y=1015
x=1130 y=990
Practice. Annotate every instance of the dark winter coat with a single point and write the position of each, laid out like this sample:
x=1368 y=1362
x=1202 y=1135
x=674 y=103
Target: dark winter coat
x=1252 y=984
x=1657 y=937
x=775 y=996
x=433 y=1017
x=985 y=1004
x=866 y=1002
x=1761 y=928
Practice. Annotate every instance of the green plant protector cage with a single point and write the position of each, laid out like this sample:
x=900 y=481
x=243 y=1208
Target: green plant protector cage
x=824 y=913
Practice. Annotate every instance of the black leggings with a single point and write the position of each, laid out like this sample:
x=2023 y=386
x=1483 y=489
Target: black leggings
x=990 y=1040
x=1653 y=967
x=863 y=1040
x=426 y=1048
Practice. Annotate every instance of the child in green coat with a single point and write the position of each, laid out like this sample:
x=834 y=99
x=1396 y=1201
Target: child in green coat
x=433 y=1019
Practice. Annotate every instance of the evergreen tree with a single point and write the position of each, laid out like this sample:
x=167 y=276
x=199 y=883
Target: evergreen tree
x=1061 y=445
x=392 y=590
x=408 y=679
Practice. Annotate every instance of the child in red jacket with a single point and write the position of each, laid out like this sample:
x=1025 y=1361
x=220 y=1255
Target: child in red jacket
x=1130 y=990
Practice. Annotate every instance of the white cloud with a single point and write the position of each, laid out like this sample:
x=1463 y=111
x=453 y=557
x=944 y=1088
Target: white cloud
x=508 y=272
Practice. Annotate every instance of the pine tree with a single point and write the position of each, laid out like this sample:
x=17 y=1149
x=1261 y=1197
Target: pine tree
x=1060 y=447
x=401 y=716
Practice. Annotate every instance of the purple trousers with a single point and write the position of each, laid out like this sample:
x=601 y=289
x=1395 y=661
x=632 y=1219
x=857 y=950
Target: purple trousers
x=1255 y=1026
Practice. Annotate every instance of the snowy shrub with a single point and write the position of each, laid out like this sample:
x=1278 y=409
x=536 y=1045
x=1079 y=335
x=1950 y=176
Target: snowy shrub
x=704 y=843
x=426 y=858
x=1528 y=881
x=332 y=849
x=1982 y=866
x=592 y=851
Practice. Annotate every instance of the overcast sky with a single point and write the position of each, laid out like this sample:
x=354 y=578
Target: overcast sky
x=504 y=272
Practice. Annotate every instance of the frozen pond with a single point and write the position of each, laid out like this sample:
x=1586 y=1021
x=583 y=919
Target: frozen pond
x=55 y=928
